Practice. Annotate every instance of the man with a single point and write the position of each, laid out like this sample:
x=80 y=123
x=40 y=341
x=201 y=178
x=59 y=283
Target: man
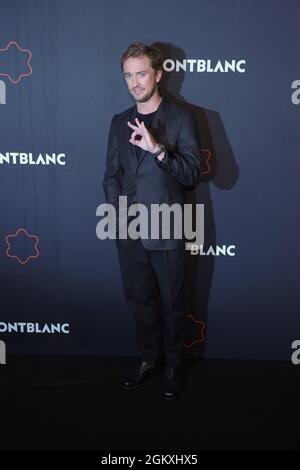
x=153 y=156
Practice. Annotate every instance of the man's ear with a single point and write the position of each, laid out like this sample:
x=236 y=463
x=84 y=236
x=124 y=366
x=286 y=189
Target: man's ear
x=158 y=75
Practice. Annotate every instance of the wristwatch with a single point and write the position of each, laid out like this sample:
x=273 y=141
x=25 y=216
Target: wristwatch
x=161 y=149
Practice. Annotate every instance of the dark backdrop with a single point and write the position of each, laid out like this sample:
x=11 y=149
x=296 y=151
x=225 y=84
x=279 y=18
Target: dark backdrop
x=241 y=306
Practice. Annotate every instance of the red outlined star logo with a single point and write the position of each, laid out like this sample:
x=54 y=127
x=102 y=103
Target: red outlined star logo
x=199 y=334
x=20 y=233
x=22 y=51
x=205 y=157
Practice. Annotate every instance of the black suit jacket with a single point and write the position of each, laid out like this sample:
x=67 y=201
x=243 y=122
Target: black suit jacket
x=147 y=180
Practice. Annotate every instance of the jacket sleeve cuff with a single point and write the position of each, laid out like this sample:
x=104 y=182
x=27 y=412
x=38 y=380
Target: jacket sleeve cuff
x=165 y=162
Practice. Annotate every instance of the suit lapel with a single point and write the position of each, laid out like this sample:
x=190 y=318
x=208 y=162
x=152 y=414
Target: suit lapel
x=129 y=130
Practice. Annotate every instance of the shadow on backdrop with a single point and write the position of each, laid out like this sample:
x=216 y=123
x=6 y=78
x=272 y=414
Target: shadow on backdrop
x=219 y=168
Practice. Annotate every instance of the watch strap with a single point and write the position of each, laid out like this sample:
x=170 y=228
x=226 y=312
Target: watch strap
x=161 y=149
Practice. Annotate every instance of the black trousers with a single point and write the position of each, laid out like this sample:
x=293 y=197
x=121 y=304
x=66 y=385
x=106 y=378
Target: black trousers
x=154 y=289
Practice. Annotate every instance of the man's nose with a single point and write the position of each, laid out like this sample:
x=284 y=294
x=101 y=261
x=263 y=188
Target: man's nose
x=134 y=80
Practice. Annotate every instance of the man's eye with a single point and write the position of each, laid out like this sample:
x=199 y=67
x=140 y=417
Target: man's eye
x=142 y=74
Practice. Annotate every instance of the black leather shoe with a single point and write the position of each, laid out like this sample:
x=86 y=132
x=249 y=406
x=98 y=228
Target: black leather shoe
x=173 y=383
x=146 y=371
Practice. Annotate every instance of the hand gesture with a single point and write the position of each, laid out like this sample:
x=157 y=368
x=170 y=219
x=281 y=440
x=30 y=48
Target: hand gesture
x=147 y=141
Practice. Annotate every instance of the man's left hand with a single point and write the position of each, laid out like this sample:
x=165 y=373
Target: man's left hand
x=146 y=142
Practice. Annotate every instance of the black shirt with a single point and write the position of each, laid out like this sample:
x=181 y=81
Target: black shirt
x=147 y=119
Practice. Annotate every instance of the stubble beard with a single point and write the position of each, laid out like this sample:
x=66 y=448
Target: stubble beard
x=147 y=96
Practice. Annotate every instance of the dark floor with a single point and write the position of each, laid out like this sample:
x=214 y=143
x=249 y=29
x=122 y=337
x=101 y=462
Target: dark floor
x=76 y=403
